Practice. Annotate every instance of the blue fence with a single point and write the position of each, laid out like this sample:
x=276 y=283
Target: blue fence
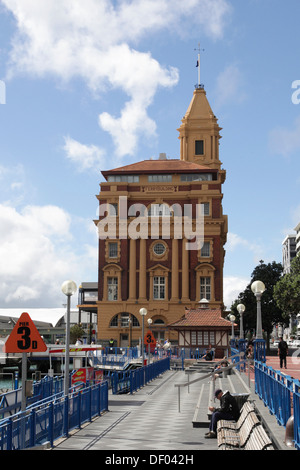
x=281 y=394
x=130 y=381
x=10 y=402
x=50 y=421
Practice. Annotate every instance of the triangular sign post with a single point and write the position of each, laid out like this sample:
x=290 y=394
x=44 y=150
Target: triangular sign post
x=24 y=337
x=149 y=340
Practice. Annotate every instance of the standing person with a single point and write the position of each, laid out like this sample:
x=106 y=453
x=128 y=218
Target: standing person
x=282 y=352
x=228 y=410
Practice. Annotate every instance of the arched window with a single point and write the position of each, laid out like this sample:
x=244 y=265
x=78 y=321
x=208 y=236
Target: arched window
x=122 y=320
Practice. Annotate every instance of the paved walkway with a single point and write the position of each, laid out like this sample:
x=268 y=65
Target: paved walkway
x=150 y=420
x=146 y=421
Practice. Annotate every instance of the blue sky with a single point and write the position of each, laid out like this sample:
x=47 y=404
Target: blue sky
x=95 y=84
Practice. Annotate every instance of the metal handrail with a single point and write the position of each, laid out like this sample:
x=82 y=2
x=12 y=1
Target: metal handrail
x=187 y=384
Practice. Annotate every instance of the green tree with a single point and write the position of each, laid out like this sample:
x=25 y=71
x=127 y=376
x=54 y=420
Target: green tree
x=269 y=274
x=287 y=290
x=76 y=332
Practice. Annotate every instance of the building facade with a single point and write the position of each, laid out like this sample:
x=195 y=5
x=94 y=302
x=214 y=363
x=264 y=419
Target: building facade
x=288 y=252
x=297 y=230
x=162 y=234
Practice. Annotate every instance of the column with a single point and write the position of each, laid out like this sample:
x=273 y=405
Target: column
x=175 y=268
x=132 y=270
x=185 y=270
x=142 y=277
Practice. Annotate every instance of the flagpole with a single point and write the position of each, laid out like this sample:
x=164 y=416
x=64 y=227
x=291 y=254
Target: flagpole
x=199 y=65
x=199 y=69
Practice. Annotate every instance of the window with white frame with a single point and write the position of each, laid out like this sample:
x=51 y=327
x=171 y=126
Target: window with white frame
x=112 y=288
x=159 y=178
x=159 y=210
x=205 y=288
x=159 y=288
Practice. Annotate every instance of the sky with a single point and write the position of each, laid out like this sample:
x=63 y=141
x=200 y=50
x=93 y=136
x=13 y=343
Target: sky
x=90 y=86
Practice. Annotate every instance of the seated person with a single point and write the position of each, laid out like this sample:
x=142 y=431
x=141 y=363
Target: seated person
x=219 y=367
x=208 y=356
x=228 y=410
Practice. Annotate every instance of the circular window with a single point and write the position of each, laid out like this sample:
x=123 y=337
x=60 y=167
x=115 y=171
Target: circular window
x=159 y=249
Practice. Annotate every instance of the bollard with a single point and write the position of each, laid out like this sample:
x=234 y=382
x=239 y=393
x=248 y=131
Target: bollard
x=289 y=432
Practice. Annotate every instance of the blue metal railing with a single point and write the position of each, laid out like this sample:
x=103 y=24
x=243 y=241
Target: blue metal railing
x=281 y=394
x=48 y=422
x=131 y=381
x=10 y=402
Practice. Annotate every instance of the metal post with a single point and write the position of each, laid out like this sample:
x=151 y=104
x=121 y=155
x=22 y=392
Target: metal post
x=259 y=334
x=67 y=353
x=143 y=342
x=24 y=378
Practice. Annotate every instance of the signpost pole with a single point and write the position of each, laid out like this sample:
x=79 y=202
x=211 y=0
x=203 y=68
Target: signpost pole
x=24 y=378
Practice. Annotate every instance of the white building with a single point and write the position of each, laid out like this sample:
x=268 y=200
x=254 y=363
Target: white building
x=289 y=251
x=297 y=230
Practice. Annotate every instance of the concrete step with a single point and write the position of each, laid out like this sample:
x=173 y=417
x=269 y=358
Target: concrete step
x=234 y=383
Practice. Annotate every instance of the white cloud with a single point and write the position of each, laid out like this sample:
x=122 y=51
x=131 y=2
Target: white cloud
x=234 y=242
x=233 y=286
x=37 y=255
x=13 y=184
x=230 y=87
x=284 y=141
x=85 y=157
x=96 y=40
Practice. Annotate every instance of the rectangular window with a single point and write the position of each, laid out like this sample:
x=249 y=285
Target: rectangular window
x=159 y=178
x=123 y=178
x=197 y=177
x=112 y=288
x=159 y=288
x=205 y=250
x=212 y=338
x=193 y=338
x=199 y=337
x=113 y=209
x=125 y=320
x=113 y=249
x=205 y=208
x=205 y=338
x=159 y=210
x=199 y=147
x=205 y=288
x=90 y=296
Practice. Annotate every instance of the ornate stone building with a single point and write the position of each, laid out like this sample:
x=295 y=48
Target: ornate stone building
x=143 y=255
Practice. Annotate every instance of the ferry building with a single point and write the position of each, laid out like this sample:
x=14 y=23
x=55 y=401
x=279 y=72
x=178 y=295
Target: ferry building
x=145 y=259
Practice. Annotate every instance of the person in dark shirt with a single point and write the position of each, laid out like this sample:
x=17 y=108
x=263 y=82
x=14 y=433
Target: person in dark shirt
x=282 y=352
x=228 y=410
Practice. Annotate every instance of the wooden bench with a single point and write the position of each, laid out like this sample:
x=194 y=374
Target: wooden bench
x=245 y=434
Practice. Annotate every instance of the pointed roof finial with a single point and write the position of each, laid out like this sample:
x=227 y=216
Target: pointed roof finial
x=199 y=85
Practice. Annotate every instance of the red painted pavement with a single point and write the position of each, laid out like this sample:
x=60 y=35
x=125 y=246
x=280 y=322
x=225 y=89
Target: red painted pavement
x=292 y=363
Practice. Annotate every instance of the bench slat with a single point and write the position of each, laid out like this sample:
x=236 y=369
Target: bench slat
x=247 y=433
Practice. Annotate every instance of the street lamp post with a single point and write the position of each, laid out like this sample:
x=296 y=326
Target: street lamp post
x=143 y=312
x=241 y=308
x=232 y=319
x=68 y=288
x=258 y=289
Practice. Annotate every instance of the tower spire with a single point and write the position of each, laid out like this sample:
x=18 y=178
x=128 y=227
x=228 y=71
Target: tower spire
x=199 y=66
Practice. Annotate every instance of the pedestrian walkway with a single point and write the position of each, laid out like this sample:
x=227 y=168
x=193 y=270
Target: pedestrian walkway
x=149 y=420
x=152 y=419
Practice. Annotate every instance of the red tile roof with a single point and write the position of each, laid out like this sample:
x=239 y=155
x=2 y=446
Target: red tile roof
x=160 y=166
x=201 y=317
